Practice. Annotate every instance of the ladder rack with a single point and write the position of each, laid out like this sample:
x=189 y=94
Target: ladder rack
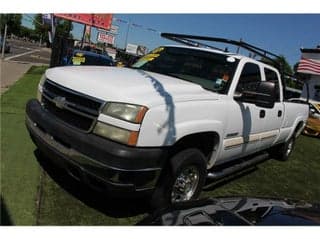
x=190 y=40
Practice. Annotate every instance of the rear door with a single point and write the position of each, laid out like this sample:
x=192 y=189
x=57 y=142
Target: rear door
x=273 y=117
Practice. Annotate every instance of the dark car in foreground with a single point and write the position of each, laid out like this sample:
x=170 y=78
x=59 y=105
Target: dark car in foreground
x=80 y=57
x=237 y=211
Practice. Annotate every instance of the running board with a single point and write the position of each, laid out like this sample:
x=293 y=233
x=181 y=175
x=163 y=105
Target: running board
x=237 y=167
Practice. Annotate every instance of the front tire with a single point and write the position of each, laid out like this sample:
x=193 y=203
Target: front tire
x=182 y=180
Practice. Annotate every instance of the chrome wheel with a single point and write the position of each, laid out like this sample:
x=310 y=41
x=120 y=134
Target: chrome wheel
x=289 y=148
x=185 y=185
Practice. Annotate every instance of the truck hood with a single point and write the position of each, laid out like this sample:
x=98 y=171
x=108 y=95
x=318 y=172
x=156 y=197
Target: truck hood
x=127 y=85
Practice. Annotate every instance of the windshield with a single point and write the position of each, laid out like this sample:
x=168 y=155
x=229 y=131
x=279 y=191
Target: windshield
x=82 y=59
x=210 y=70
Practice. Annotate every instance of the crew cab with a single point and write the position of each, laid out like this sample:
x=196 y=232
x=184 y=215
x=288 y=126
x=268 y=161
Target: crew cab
x=163 y=126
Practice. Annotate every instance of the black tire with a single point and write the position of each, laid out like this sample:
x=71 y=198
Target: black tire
x=185 y=163
x=283 y=151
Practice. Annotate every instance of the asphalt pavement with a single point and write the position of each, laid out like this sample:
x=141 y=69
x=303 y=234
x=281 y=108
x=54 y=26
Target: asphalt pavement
x=22 y=56
x=27 y=52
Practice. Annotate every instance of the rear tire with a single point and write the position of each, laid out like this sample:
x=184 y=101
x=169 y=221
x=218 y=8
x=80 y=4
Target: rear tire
x=283 y=151
x=182 y=180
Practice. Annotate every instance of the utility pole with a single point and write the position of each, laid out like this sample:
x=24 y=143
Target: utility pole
x=4 y=41
x=83 y=35
x=53 y=27
x=40 y=42
x=126 y=42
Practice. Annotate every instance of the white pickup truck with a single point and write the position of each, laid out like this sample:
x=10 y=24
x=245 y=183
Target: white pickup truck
x=163 y=126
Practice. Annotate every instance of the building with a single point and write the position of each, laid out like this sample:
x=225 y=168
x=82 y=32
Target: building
x=309 y=70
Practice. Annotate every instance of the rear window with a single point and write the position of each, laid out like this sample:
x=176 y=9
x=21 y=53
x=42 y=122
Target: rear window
x=273 y=77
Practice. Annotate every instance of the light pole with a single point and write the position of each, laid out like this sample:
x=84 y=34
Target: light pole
x=4 y=41
x=126 y=42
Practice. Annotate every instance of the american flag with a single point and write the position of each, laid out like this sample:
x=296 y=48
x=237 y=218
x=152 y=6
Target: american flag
x=309 y=66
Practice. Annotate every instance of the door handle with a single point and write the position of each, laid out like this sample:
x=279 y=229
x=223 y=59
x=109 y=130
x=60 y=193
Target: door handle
x=279 y=113
x=262 y=113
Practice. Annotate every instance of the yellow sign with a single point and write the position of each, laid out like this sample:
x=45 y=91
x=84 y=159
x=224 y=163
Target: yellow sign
x=149 y=57
x=77 y=60
x=157 y=50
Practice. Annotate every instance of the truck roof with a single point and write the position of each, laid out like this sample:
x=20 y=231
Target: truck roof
x=200 y=42
x=237 y=56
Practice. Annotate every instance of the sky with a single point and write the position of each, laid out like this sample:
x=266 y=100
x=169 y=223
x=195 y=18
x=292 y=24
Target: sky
x=282 y=34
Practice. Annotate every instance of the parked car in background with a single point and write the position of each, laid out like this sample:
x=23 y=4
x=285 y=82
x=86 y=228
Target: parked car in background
x=6 y=47
x=80 y=57
x=313 y=123
x=312 y=127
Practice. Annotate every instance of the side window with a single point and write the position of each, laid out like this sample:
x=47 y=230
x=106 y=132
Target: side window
x=273 y=77
x=249 y=78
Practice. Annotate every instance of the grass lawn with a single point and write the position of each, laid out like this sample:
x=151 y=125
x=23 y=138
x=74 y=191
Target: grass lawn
x=19 y=170
x=66 y=202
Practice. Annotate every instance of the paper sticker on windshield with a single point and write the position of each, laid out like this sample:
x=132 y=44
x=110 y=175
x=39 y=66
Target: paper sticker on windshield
x=145 y=59
x=150 y=57
x=77 y=60
x=139 y=63
x=79 y=54
x=157 y=50
x=231 y=59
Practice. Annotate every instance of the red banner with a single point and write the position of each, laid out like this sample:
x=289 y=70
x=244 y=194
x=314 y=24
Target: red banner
x=102 y=21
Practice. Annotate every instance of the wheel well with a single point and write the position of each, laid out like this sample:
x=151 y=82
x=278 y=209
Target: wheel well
x=298 y=128
x=206 y=142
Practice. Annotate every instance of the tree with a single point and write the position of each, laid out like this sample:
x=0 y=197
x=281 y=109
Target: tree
x=25 y=32
x=41 y=29
x=13 y=22
x=63 y=28
x=280 y=61
x=295 y=67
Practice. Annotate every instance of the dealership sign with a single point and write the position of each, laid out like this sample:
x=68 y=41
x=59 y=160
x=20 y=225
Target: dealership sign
x=105 y=38
x=136 y=50
x=102 y=21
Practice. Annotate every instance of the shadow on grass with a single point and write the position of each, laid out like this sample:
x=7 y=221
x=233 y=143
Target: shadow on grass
x=113 y=207
x=5 y=215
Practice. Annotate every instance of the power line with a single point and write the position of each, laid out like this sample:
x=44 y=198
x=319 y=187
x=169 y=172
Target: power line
x=131 y=24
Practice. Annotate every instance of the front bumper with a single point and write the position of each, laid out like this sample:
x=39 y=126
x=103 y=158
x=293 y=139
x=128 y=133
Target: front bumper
x=98 y=162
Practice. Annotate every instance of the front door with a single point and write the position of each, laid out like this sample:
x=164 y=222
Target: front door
x=246 y=120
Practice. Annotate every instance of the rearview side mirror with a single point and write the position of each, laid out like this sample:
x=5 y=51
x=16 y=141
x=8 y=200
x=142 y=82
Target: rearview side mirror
x=264 y=95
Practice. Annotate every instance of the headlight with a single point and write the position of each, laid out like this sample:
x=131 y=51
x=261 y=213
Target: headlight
x=117 y=134
x=127 y=112
x=41 y=82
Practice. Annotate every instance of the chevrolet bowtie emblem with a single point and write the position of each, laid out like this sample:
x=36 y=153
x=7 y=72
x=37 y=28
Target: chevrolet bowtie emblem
x=60 y=102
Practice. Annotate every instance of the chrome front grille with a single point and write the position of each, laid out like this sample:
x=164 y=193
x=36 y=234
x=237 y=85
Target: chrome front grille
x=73 y=108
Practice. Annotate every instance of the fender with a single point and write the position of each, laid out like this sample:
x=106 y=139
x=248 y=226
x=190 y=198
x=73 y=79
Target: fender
x=295 y=125
x=161 y=127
